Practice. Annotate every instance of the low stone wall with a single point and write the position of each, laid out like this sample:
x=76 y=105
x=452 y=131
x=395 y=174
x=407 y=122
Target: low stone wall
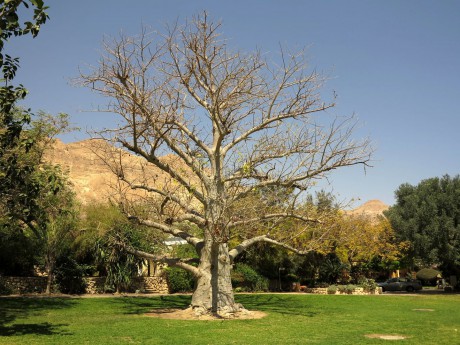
x=23 y=285
x=94 y=285
x=356 y=291
x=154 y=285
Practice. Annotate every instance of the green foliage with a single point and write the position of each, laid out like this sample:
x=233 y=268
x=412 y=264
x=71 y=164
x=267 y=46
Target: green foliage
x=332 y=289
x=120 y=266
x=350 y=288
x=330 y=269
x=12 y=123
x=368 y=285
x=179 y=280
x=19 y=252
x=69 y=275
x=347 y=289
x=428 y=216
x=245 y=278
x=37 y=209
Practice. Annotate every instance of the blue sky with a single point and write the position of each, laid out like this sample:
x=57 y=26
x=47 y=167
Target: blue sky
x=394 y=64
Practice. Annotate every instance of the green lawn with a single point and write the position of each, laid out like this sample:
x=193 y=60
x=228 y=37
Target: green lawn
x=292 y=319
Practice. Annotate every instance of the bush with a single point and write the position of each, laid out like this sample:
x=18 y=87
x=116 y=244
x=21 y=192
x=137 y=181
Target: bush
x=368 y=285
x=342 y=288
x=245 y=278
x=69 y=276
x=179 y=280
x=350 y=288
x=332 y=289
x=330 y=269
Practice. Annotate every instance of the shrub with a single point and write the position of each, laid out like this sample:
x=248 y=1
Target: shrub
x=179 y=280
x=350 y=288
x=330 y=269
x=342 y=288
x=69 y=276
x=368 y=285
x=332 y=289
x=246 y=278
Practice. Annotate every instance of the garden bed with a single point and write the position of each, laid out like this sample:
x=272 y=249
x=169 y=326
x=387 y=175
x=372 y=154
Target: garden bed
x=343 y=290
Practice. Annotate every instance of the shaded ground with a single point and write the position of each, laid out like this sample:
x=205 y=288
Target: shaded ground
x=189 y=314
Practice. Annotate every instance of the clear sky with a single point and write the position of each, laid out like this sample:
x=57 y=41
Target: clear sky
x=395 y=64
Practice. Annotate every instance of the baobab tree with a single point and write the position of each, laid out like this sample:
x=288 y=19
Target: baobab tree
x=232 y=126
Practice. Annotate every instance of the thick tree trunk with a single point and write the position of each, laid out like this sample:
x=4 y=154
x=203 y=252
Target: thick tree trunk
x=213 y=291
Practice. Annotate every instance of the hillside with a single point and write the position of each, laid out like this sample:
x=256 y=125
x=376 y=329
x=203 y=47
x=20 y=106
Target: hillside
x=91 y=163
x=371 y=208
x=94 y=181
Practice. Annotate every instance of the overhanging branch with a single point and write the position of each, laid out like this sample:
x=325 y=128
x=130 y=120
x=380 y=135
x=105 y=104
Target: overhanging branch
x=264 y=238
x=276 y=216
x=182 y=263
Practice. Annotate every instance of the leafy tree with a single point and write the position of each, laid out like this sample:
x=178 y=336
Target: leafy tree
x=18 y=250
x=221 y=125
x=33 y=195
x=37 y=199
x=362 y=238
x=428 y=216
x=12 y=122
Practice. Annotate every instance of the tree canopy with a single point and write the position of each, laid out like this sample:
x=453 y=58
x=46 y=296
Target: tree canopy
x=428 y=216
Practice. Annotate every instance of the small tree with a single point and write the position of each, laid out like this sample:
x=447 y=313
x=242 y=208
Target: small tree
x=223 y=126
x=119 y=265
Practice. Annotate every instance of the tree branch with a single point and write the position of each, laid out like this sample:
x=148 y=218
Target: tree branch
x=264 y=238
x=274 y=215
x=194 y=241
x=182 y=263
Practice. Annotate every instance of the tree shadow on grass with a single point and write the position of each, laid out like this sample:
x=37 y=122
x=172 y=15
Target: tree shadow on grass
x=12 y=310
x=141 y=305
x=45 y=328
x=281 y=304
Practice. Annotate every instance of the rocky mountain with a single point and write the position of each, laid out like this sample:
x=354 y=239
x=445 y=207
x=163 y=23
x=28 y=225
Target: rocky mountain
x=371 y=208
x=91 y=166
x=91 y=163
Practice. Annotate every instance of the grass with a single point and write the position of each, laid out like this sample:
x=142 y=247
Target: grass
x=292 y=319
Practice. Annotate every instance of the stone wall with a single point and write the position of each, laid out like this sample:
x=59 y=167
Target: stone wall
x=154 y=285
x=22 y=285
x=356 y=291
x=94 y=285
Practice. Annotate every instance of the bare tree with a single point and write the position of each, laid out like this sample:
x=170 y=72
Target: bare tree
x=237 y=126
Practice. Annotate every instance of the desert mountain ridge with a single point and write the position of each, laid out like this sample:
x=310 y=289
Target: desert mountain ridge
x=94 y=181
x=371 y=208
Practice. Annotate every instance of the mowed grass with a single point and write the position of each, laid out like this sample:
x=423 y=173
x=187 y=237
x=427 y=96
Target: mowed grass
x=291 y=319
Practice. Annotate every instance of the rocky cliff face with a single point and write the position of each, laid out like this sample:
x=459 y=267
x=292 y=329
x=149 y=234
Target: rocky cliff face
x=91 y=163
x=91 y=166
